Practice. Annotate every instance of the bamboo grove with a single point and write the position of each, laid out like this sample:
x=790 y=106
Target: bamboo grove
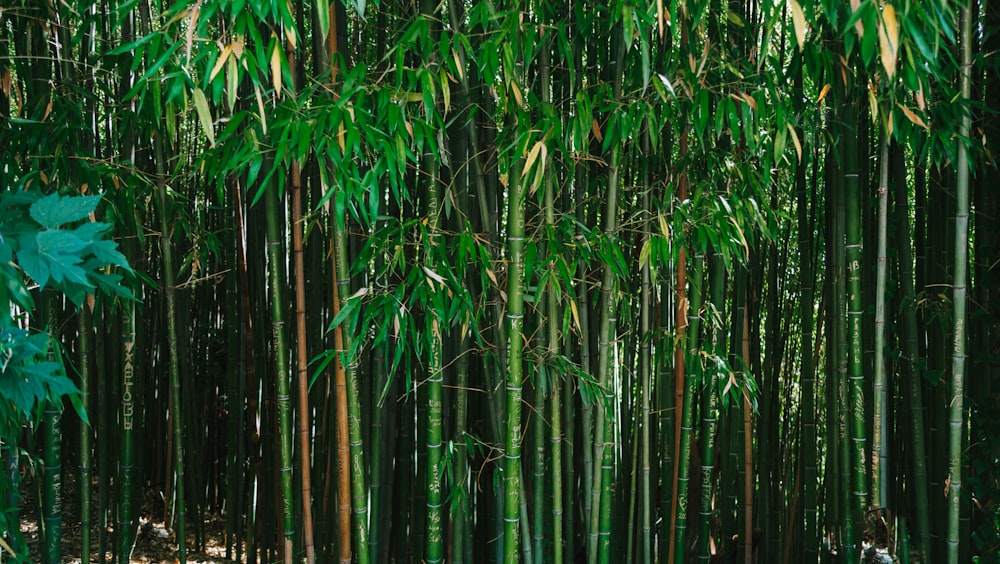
x=521 y=280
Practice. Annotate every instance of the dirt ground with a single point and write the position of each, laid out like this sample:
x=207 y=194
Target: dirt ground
x=156 y=543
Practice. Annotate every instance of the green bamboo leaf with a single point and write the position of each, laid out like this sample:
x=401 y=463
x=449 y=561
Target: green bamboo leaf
x=232 y=82
x=644 y=51
x=153 y=69
x=856 y=15
x=132 y=45
x=323 y=17
x=913 y=31
x=204 y=115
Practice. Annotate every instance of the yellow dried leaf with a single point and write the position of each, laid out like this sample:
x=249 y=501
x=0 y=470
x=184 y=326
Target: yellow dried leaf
x=220 y=62
x=912 y=116
x=888 y=39
x=873 y=102
x=458 y=64
x=799 y=21
x=191 y=27
x=597 y=131
x=238 y=47
x=276 y=69
x=260 y=108
x=517 y=93
x=858 y=25
x=661 y=21
x=532 y=157
x=823 y=93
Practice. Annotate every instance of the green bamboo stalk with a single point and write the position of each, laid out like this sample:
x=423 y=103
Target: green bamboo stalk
x=839 y=384
x=687 y=406
x=52 y=454
x=880 y=450
x=127 y=516
x=855 y=311
x=586 y=365
x=808 y=369
x=633 y=497
x=166 y=250
x=552 y=351
x=12 y=498
x=747 y=538
x=603 y=448
x=645 y=370
x=84 y=326
x=956 y=411
x=461 y=538
x=104 y=431
x=359 y=492
x=515 y=319
x=911 y=353
x=608 y=511
x=250 y=386
x=234 y=406
x=600 y=515
x=709 y=410
x=435 y=383
x=276 y=285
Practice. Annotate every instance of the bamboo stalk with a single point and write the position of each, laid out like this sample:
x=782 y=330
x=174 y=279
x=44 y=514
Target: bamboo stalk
x=276 y=283
x=956 y=411
x=51 y=528
x=169 y=287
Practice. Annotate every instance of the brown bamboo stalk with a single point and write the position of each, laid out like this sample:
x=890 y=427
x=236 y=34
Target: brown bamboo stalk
x=681 y=320
x=302 y=364
x=343 y=440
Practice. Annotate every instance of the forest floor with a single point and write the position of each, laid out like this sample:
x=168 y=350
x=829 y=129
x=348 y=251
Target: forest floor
x=156 y=543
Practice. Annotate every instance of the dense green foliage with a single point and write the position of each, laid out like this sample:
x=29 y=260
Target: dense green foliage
x=647 y=281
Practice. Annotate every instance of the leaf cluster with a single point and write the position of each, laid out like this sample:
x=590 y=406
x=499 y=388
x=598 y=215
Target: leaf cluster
x=46 y=242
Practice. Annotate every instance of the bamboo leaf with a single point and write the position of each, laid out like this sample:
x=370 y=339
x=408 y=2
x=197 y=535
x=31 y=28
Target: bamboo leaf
x=220 y=62
x=666 y=83
x=858 y=10
x=192 y=25
x=872 y=102
x=232 y=83
x=799 y=22
x=517 y=93
x=888 y=39
x=910 y=115
x=823 y=93
x=795 y=140
x=260 y=109
x=276 y=66
x=204 y=115
x=532 y=157
x=323 y=17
